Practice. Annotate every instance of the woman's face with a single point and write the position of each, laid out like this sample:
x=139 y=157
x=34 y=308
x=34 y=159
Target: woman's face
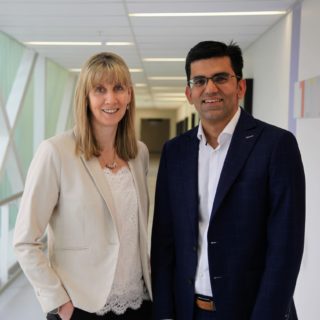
x=108 y=103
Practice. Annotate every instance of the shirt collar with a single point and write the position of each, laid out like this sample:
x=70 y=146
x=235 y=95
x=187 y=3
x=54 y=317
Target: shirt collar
x=226 y=132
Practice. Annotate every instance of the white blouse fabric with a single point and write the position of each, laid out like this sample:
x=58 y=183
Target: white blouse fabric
x=128 y=289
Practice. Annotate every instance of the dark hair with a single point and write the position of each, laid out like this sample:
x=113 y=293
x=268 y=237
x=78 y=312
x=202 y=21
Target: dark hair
x=212 y=49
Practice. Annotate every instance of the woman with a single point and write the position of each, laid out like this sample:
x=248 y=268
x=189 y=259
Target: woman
x=87 y=188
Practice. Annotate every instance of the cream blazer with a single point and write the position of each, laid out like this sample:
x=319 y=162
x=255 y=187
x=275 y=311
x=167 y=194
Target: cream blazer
x=69 y=197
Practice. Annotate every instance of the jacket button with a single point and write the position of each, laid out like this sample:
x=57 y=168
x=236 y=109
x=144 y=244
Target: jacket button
x=190 y=281
x=194 y=248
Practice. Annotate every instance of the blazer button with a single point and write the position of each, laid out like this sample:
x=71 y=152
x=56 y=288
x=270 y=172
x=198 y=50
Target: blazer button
x=190 y=281
x=213 y=242
x=194 y=248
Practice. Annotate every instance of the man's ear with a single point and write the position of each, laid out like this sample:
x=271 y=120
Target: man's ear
x=188 y=94
x=242 y=87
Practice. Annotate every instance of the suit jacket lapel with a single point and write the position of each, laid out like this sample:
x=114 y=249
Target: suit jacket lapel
x=190 y=177
x=244 y=138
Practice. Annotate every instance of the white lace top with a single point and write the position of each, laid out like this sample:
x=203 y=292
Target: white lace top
x=128 y=290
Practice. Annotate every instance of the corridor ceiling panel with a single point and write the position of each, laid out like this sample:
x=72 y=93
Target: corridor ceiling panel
x=102 y=24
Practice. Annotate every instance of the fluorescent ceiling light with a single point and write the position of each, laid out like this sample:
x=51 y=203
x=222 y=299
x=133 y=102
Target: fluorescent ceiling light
x=167 y=78
x=119 y=44
x=164 y=59
x=131 y=70
x=169 y=99
x=140 y=85
x=169 y=94
x=136 y=70
x=157 y=88
x=76 y=43
x=63 y=43
x=207 y=14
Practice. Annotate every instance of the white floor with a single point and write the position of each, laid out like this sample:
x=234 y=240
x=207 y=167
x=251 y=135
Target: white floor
x=18 y=301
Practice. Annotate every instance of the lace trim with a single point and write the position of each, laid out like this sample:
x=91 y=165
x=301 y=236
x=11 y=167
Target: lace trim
x=119 y=304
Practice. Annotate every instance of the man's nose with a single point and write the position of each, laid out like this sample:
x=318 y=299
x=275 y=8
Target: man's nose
x=211 y=85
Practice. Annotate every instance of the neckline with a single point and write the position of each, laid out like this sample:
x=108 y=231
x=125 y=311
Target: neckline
x=119 y=171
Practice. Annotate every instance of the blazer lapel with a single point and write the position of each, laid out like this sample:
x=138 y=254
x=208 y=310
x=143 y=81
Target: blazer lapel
x=243 y=140
x=138 y=182
x=95 y=171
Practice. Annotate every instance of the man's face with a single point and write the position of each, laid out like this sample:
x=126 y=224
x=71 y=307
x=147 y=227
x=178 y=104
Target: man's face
x=216 y=103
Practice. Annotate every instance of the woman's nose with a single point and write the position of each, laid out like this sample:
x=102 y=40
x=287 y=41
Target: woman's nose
x=109 y=97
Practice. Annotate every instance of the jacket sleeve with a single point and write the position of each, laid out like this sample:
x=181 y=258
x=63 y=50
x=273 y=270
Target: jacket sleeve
x=39 y=199
x=285 y=233
x=162 y=248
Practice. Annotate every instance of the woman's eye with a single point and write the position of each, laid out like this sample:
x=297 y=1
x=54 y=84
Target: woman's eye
x=118 y=87
x=100 y=89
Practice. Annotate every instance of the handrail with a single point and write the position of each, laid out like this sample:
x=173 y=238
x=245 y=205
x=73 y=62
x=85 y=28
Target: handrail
x=11 y=198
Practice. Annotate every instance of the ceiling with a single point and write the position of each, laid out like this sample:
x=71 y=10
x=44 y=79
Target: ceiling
x=151 y=37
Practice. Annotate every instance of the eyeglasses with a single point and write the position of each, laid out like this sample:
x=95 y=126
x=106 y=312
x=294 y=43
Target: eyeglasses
x=217 y=79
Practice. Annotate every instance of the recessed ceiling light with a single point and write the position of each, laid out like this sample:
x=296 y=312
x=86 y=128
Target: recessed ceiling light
x=167 y=78
x=169 y=94
x=140 y=85
x=169 y=99
x=136 y=70
x=119 y=44
x=131 y=70
x=166 y=89
x=63 y=43
x=207 y=14
x=164 y=59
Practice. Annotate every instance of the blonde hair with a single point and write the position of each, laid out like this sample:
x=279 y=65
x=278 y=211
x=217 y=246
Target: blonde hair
x=103 y=66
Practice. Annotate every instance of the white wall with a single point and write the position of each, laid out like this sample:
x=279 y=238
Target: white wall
x=308 y=134
x=267 y=61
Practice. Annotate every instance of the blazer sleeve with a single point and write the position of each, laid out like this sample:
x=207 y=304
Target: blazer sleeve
x=39 y=199
x=162 y=248
x=285 y=232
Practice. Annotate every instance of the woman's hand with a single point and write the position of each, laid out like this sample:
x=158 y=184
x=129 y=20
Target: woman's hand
x=66 y=311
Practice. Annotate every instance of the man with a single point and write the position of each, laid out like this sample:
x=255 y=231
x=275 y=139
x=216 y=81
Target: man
x=229 y=217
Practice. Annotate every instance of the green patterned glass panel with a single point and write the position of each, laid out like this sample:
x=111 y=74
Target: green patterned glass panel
x=10 y=57
x=23 y=134
x=13 y=212
x=5 y=186
x=56 y=79
x=70 y=121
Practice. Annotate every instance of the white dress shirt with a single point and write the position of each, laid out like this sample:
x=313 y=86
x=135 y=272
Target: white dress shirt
x=210 y=163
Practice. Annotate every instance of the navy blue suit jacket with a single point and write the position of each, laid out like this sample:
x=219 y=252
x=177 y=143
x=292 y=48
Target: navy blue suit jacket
x=256 y=231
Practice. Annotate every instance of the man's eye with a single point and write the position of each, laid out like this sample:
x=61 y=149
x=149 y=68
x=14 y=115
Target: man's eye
x=220 y=78
x=199 y=81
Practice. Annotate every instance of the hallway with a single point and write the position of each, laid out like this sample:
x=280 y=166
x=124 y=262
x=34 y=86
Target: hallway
x=18 y=300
